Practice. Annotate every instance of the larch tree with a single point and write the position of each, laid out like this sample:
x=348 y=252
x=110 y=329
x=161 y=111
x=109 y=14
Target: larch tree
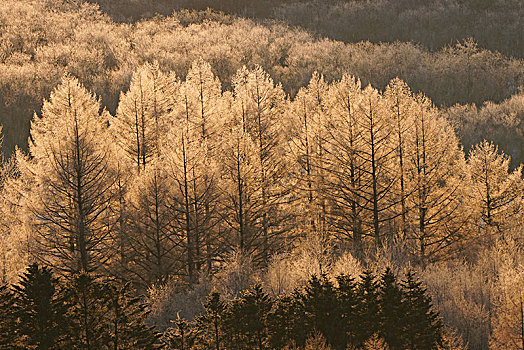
x=143 y=114
x=402 y=103
x=508 y=320
x=121 y=208
x=495 y=189
x=200 y=113
x=345 y=173
x=4 y=176
x=155 y=242
x=242 y=207
x=262 y=109
x=202 y=91
x=69 y=167
x=307 y=122
x=17 y=218
x=377 y=154
x=13 y=218
x=437 y=178
x=362 y=155
x=193 y=196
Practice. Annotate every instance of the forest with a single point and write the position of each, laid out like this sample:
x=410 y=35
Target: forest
x=495 y=24
x=236 y=175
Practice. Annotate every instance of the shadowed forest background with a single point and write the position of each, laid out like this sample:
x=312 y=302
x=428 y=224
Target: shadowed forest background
x=266 y=174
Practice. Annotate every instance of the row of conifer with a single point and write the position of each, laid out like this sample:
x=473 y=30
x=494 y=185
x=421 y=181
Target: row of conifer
x=84 y=312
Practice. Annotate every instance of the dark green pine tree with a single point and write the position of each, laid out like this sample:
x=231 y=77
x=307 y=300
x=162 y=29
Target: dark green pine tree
x=368 y=308
x=349 y=307
x=392 y=311
x=40 y=309
x=245 y=320
x=423 y=326
x=89 y=312
x=209 y=325
x=182 y=336
x=8 y=328
x=323 y=313
x=287 y=322
x=126 y=321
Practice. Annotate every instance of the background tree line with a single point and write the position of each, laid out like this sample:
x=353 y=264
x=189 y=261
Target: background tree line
x=495 y=25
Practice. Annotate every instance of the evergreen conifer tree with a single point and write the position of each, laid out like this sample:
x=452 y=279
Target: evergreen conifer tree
x=375 y=343
x=105 y=315
x=423 y=327
x=317 y=342
x=246 y=320
x=126 y=321
x=88 y=312
x=180 y=336
x=287 y=322
x=368 y=311
x=8 y=320
x=40 y=309
x=322 y=310
x=391 y=311
x=210 y=323
x=349 y=306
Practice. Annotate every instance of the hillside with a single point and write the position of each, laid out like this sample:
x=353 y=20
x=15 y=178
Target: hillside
x=495 y=25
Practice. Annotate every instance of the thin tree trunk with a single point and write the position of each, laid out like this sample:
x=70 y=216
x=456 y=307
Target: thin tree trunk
x=376 y=222
x=401 y=165
x=190 y=261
